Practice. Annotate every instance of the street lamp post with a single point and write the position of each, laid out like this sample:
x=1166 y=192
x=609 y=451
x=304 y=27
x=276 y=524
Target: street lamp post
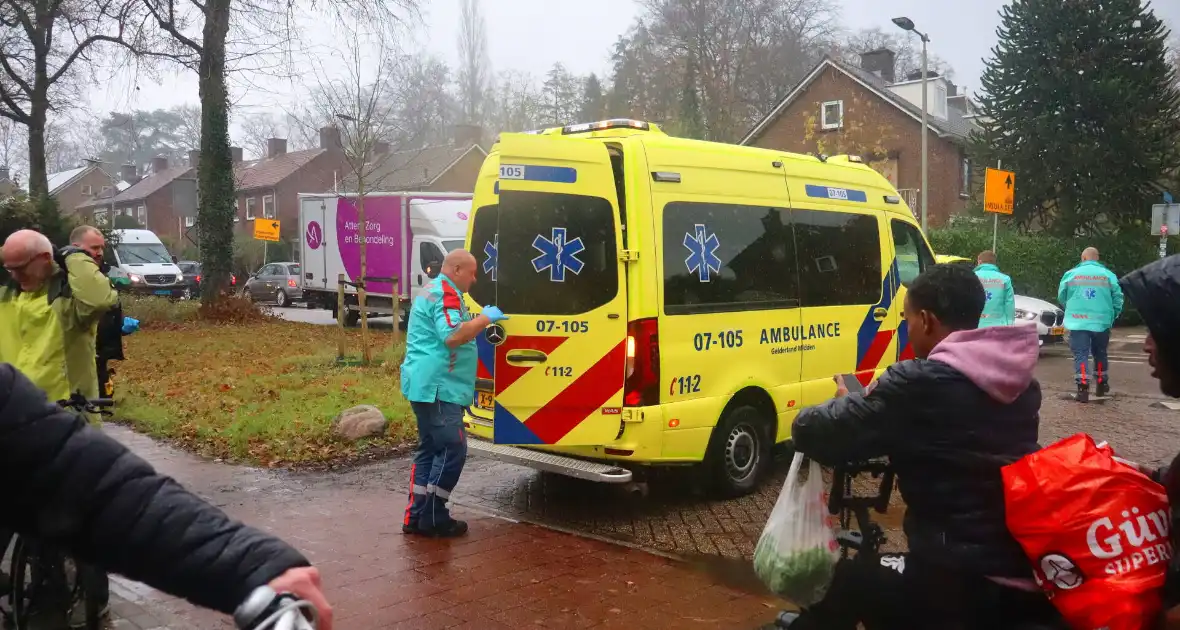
x=907 y=24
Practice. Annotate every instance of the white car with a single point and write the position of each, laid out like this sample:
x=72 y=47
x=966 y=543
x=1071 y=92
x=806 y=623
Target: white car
x=1047 y=317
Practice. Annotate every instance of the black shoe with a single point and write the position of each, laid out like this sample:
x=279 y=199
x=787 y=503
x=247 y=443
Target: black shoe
x=1103 y=390
x=413 y=529
x=450 y=529
x=1083 y=395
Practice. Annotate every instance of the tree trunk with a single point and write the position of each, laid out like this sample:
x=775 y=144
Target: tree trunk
x=362 y=292
x=38 y=172
x=215 y=171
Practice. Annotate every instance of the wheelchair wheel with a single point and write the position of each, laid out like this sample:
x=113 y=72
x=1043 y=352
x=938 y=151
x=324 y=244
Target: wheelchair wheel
x=47 y=586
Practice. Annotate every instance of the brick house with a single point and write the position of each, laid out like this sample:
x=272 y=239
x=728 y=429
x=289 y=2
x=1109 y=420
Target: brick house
x=446 y=168
x=269 y=187
x=154 y=201
x=838 y=108
x=75 y=186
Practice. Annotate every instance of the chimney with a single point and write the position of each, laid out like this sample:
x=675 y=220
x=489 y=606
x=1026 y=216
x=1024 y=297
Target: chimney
x=380 y=146
x=194 y=158
x=275 y=147
x=129 y=173
x=235 y=154
x=159 y=164
x=467 y=135
x=916 y=75
x=330 y=138
x=951 y=88
x=880 y=62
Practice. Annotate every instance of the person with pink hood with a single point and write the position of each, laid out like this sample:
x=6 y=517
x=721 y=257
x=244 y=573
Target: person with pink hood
x=948 y=421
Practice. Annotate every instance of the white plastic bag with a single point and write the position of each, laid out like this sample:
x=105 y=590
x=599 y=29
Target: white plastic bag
x=797 y=552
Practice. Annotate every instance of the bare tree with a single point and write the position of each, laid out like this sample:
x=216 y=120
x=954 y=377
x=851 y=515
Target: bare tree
x=13 y=147
x=907 y=48
x=189 y=132
x=363 y=102
x=258 y=127
x=474 y=64
x=201 y=32
x=41 y=44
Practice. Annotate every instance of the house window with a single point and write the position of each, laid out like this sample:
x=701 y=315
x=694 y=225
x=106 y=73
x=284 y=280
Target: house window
x=190 y=221
x=87 y=190
x=106 y=189
x=250 y=203
x=832 y=115
x=141 y=212
x=100 y=217
x=965 y=184
x=268 y=206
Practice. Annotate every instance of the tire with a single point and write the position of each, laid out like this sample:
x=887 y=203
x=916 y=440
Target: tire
x=352 y=319
x=739 y=451
x=31 y=562
x=281 y=300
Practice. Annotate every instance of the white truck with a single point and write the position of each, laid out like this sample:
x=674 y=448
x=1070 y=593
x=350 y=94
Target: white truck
x=407 y=235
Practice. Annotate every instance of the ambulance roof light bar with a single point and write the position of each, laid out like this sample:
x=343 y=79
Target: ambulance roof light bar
x=602 y=125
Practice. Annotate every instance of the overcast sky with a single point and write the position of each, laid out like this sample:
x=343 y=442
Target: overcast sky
x=533 y=34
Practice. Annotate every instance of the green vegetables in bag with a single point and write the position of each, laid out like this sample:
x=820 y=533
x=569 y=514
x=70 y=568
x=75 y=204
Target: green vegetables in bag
x=800 y=576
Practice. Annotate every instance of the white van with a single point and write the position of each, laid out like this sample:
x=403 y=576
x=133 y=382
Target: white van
x=141 y=256
x=439 y=226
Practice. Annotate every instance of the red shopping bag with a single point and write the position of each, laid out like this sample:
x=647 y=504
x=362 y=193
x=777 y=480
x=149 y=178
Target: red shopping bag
x=1096 y=530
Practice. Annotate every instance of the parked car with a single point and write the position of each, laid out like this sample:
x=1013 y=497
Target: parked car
x=276 y=282
x=191 y=270
x=1048 y=318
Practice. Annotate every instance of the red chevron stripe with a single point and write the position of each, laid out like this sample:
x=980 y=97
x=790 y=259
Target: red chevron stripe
x=868 y=365
x=507 y=374
x=586 y=395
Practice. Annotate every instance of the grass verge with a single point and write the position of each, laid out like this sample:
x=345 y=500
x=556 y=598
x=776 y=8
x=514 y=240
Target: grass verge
x=263 y=393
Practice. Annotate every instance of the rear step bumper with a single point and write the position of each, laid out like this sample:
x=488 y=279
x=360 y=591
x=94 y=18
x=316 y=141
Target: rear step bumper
x=549 y=462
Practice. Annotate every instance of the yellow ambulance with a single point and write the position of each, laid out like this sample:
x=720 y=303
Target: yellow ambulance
x=675 y=301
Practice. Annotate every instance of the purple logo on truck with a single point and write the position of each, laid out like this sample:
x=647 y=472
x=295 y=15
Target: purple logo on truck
x=462 y=216
x=383 y=239
x=314 y=235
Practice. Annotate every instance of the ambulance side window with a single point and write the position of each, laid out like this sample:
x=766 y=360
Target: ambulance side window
x=913 y=256
x=839 y=258
x=483 y=247
x=722 y=258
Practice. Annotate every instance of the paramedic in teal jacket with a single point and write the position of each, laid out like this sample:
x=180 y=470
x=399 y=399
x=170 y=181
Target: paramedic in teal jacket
x=1093 y=301
x=1000 y=307
x=438 y=378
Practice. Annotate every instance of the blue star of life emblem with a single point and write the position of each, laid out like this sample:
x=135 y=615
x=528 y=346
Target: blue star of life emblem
x=988 y=296
x=1091 y=294
x=558 y=255
x=702 y=252
x=490 y=248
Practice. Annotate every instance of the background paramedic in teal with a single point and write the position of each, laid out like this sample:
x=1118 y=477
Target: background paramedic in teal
x=438 y=378
x=999 y=309
x=1093 y=301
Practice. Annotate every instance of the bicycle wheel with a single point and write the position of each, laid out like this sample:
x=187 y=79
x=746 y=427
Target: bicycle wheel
x=42 y=593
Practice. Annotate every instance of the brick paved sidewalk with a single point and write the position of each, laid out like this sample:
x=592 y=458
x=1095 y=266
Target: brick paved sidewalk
x=503 y=575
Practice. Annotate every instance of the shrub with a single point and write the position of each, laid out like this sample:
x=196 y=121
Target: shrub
x=1036 y=262
x=152 y=312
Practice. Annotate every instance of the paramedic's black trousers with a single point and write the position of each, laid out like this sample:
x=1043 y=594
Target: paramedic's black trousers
x=898 y=593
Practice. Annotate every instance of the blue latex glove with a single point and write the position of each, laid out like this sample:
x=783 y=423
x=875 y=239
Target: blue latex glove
x=494 y=313
x=130 y=325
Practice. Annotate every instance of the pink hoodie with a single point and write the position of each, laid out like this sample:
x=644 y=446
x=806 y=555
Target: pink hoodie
x=999 y=359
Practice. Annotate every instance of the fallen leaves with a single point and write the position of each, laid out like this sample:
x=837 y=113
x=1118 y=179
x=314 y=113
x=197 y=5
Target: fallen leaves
x=262 y=392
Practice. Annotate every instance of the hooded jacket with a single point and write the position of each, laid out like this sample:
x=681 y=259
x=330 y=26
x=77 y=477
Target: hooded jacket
x=73 y=486
x=948 y=423
x=1091 y=297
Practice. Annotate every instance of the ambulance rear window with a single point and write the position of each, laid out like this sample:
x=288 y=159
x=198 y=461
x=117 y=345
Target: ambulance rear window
x=556 y=253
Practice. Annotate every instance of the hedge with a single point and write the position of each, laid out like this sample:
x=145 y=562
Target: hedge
x=1036 y=262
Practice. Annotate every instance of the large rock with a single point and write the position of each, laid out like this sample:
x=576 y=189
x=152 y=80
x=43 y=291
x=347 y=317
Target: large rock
x=362 y=421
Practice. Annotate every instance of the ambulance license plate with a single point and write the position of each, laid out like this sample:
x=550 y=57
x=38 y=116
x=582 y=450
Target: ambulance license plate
x=484 y=400
x=1058 y=331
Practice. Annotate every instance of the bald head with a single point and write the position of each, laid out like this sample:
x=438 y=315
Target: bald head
x=986 y=257
x=1090 y=254
x=459 y=266
x=28 y=257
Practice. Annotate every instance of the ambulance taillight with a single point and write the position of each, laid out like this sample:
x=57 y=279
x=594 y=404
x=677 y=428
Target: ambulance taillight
x=642 y=385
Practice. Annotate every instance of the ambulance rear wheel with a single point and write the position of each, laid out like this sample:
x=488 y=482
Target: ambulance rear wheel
x=739 y=451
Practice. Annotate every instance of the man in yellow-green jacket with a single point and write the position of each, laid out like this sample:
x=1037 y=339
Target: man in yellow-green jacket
x=49 y=315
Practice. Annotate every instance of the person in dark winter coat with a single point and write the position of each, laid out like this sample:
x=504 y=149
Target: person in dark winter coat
x=948 y=421
x=1154 y=290
x=74 y=487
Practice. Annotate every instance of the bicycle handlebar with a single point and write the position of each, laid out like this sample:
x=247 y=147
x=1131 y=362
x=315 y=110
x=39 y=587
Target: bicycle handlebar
x=82 y=404
x=265 y=609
